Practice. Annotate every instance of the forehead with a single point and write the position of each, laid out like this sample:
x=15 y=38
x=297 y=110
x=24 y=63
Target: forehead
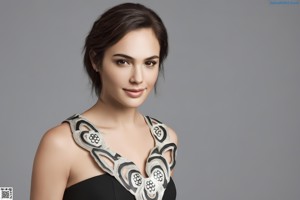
x=140 y=43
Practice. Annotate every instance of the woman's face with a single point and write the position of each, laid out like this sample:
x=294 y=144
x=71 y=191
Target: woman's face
x=130 y=69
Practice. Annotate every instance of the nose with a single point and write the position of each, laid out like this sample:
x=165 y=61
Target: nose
x=137 y=75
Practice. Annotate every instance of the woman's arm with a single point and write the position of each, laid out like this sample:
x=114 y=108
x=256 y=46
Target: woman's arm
x=174 y=139
x=51 y=165
x=173 y=135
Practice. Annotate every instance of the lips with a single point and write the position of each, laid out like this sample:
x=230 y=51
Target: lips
x=134 y=93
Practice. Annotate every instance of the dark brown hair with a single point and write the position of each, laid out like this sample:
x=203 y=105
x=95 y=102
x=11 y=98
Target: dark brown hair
x=111 y=27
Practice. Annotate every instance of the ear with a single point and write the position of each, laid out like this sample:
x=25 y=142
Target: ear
x=92 y=55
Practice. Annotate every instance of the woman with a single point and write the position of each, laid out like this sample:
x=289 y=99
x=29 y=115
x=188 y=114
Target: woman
x=124 y=53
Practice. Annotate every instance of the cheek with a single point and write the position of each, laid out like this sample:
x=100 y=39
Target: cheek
x=153 y=78
x=112 y=77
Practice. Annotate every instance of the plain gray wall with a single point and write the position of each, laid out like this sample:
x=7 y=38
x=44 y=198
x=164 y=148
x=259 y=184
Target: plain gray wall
x=231 y=90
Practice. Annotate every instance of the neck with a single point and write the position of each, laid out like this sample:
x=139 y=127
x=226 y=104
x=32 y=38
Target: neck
x=112 y=116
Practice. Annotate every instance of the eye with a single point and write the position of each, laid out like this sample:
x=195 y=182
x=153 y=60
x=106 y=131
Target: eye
x=150 y=63
x=121 y=62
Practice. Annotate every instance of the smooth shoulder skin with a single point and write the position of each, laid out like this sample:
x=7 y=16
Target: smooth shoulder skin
x=52 y=164
x=174 y=139
x=172 y=134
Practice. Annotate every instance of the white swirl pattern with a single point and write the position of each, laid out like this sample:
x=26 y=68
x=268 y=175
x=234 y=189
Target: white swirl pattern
x=126 y=172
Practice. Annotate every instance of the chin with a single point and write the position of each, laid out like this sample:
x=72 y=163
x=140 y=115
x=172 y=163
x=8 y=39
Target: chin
x=135 y=103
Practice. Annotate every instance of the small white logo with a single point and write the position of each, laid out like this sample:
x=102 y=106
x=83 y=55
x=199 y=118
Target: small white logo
x=6 y=193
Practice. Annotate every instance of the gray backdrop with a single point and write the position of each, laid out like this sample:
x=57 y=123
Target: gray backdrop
x=231 y=90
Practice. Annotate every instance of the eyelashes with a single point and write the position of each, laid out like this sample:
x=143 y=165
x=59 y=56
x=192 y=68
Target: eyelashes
x=121 y=62
x=124 y=62
x=151 y=63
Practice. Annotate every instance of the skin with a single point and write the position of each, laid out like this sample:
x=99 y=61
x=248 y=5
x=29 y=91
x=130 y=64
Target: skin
x=129 y=72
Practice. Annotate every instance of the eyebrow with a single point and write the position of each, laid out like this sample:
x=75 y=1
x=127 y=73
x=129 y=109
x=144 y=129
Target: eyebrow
x=131 y=58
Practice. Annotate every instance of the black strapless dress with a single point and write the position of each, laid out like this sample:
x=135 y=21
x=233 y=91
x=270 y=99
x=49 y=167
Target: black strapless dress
x=106 y=187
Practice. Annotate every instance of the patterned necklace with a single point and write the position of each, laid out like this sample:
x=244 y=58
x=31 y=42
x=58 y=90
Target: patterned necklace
x=126 y=172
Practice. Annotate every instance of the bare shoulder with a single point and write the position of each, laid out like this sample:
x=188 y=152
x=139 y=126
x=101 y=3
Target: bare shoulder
x=58 y=142
x=59 y=136
x=173 y=135
x=52 y=163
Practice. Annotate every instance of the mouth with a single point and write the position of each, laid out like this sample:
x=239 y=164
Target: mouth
x=134 y=93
